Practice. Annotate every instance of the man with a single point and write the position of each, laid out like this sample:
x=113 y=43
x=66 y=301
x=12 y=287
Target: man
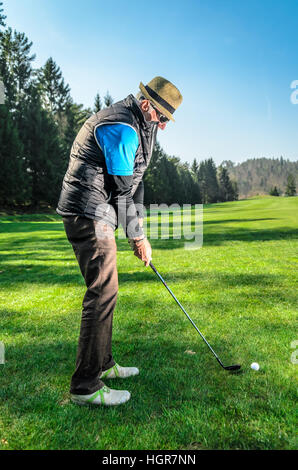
x=100 y=189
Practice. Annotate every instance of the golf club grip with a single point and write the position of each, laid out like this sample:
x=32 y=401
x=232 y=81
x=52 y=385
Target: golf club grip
x=184 y=311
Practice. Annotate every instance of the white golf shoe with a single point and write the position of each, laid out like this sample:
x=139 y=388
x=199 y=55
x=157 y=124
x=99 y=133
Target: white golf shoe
x=105 y=396
x=119 y=371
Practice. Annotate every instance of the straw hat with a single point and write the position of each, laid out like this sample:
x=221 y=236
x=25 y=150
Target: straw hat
x=163 y=94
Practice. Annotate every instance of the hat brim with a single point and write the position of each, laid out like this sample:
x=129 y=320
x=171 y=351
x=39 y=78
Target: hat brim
x=158 y=105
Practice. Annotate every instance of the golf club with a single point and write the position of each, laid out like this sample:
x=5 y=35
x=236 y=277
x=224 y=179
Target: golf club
x=232 y=367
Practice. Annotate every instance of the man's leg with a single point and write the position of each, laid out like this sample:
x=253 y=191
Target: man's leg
x=96 y=256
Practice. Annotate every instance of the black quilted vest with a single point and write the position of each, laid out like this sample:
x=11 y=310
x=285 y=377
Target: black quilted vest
x=87 y=183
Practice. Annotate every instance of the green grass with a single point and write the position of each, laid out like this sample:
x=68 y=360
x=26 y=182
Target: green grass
x=241 y=290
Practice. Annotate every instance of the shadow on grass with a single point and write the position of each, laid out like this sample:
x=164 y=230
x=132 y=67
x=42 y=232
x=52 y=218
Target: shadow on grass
x=229 y=235
x=27 y=227
x=164 y=368
x=40 y=274
x=171 y=385
x=144 y=339
x=46 y=358
x=229 y=221
x=60 y=243
x=266 y=286
x=49 y=274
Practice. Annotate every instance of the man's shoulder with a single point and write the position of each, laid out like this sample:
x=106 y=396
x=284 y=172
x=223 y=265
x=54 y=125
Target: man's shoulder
x=117 y=131
x=125 y=111
x=117 y=112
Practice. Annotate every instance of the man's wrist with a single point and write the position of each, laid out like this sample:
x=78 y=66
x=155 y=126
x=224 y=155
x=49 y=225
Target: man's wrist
x=137 y=239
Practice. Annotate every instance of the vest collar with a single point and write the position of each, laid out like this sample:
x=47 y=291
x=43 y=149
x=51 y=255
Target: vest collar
x=133 y=103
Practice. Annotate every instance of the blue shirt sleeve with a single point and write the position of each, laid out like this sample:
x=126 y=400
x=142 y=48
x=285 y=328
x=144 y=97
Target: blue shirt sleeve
x=119 y=143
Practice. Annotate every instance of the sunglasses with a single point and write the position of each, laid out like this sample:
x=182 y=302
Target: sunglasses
x=159 y=115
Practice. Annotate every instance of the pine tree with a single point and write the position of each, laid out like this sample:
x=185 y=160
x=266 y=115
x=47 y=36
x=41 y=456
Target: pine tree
x=213 y=189
x=175 y=190
x=74 y=117
x=2 y=17
x=195 y=197
x=291 y=186
x=235 y=190
x=54 y=93
x=43 y=151
x=274 y=191
x=190 y=192
x=226 y=191
x=203 y=182
x=208 y=181
x=108 y=100
x=156 y=178
x=14 y=181
x=97 y=103
x=195 y=168
x=15 y=66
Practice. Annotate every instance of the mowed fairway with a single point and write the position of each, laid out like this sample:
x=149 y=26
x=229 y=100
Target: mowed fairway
x=240 y=288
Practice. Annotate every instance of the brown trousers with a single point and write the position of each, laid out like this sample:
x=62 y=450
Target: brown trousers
x=95 y=249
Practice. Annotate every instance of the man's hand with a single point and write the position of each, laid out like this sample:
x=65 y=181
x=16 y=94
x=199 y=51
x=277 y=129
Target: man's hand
x=142 y=249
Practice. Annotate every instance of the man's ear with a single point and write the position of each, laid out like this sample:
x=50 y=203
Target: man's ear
x=145 y=104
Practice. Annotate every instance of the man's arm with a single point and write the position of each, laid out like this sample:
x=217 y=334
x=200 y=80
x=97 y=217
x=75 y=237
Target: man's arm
x=126 y=209
x=138 y=199
x=119 y=143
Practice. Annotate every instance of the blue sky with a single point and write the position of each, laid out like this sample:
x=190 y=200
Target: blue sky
x=233 y=61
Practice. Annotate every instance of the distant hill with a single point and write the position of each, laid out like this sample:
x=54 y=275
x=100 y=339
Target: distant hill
x=258 y=175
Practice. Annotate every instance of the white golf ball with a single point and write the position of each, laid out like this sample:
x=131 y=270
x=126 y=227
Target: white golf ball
x=255 y=366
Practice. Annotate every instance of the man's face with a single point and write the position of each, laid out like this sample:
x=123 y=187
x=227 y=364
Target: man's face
x=152 y=113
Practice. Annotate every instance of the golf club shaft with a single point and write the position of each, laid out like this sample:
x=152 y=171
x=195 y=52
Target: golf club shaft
x=184 y=311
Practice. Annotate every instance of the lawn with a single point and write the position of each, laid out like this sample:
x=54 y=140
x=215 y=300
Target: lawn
x=241 y=290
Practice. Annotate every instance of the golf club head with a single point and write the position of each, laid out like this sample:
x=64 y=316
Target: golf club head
x=234 y=367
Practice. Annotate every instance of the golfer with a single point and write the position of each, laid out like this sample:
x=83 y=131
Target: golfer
x=103 y=188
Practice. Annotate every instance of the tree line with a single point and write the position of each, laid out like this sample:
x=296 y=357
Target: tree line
x=275 y=176
x=168 y=180
x=39 y=121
